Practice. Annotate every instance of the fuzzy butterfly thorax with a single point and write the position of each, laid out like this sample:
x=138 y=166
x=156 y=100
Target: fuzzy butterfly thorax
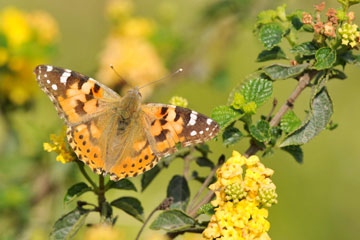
x=117 y=135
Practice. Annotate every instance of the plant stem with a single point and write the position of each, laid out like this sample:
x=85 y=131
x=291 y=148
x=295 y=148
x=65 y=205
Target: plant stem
x=82 y=170
x=162 y=206
x=205 y=183
x=203 y=201
x=304 y=80
x=101 y=198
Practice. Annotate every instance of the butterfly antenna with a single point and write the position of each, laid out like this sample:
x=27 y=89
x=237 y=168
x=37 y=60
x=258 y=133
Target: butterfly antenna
x=121 y=78
x=163 y=78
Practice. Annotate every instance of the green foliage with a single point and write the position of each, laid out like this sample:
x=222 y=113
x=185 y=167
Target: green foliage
x=295 y=151
x=290 y=122
x=257 y=90
x=76 y=191
x=270 y=35
x=231 y=135
x=149 y=176
x=68 y=225
x=261 y=131
x=281 y=72
x=305 y=49
x=272 y=54
x=321 y=111
x=123 y=184
x=207 y=209
x=131 y=206
x=172 y=221
x=225 y=115
x=178 y=189
x=325 y=58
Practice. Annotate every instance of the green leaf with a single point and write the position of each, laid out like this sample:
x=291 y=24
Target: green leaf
x=337 y=74
x=149 y=176
x=178 y=188
x=123 y=184
x=270 y=35
x=68 y=225
x=207 y=209
x=349 y=57
x=231 y=135
x=275 y=53
x=290 y=122
x=295 y=151
x=204 y=162
x=325 y=58
x=225 y=115
x=257 y=90
x=275 y=134
x=280 y=72
x=172 y=221
x=261 y=132
x=75 y=191
x=131 y=206
x=322 y=110
x=305 y=48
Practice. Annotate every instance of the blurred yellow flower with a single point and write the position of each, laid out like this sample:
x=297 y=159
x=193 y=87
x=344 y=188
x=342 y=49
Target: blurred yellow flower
x=45 y=27
x=4 y=56
x=137 y=27
x=103 y=232
x=58 y=145
x=119 y=9
x=240 y=200
x=136 y=61
x=14 y=25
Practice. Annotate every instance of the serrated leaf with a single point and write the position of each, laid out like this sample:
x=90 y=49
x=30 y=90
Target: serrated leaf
x=295 y=151
x=322 y=110
x=260 y=131
x=123 y=184
x=273 y=54
x=225 y=115
x=281 y=72
x=257 y=90
x=204 y=162
x=270 y=35
x=75 y=191
x=305 y=48
x=178 y=188
x=149 y=176
x=349 y=57
x=337 y=74
x=325 y=58
x=68 y=225
x=275 y=134
x=207 y=209
x=172 y=221
x=231 y=135
x=290 y=122
x=131 y=206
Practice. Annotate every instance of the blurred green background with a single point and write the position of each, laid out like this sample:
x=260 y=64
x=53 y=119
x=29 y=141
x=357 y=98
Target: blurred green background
x=214 y=44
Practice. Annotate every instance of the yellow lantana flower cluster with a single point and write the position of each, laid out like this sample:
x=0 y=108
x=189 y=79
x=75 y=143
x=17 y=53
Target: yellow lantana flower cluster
x=243 y=192
x=129 y=50
x=58 y=145
x=179 y=101
x=349 y=34
x=26 y=40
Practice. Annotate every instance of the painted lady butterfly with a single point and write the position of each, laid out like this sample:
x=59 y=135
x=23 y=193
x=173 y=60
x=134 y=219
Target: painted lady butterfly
x=119 y=135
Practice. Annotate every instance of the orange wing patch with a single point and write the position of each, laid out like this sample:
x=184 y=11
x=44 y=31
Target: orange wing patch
x=142 y=160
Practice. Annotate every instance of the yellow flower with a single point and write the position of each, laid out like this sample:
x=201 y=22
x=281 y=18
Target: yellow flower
x=135 y=59
x=104 y=232
x=119 y=9
x=179 y=101
x=14 y=25
x=240 y=200
x=137 y=27
x=58 y=145
x=4 y=55
x=44 y=26
x=349 y=34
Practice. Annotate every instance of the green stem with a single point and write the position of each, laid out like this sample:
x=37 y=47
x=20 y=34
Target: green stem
x=101 y=198
x=82 y=170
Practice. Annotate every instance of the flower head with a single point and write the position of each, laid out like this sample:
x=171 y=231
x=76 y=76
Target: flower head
x=179 y=101
x=58 y=145
x=241 y=200
x=103 y=232
x=349 y=34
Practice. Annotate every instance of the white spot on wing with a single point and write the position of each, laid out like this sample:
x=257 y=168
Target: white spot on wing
x=201 y=132
x=193 y=133
x=193 y=118
x=207 y=129
x=64 y=77
x=54 y=86
x=49 y=68
x=48 y=81
x=45 y=75
x=68 y=70
x=209 y=121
